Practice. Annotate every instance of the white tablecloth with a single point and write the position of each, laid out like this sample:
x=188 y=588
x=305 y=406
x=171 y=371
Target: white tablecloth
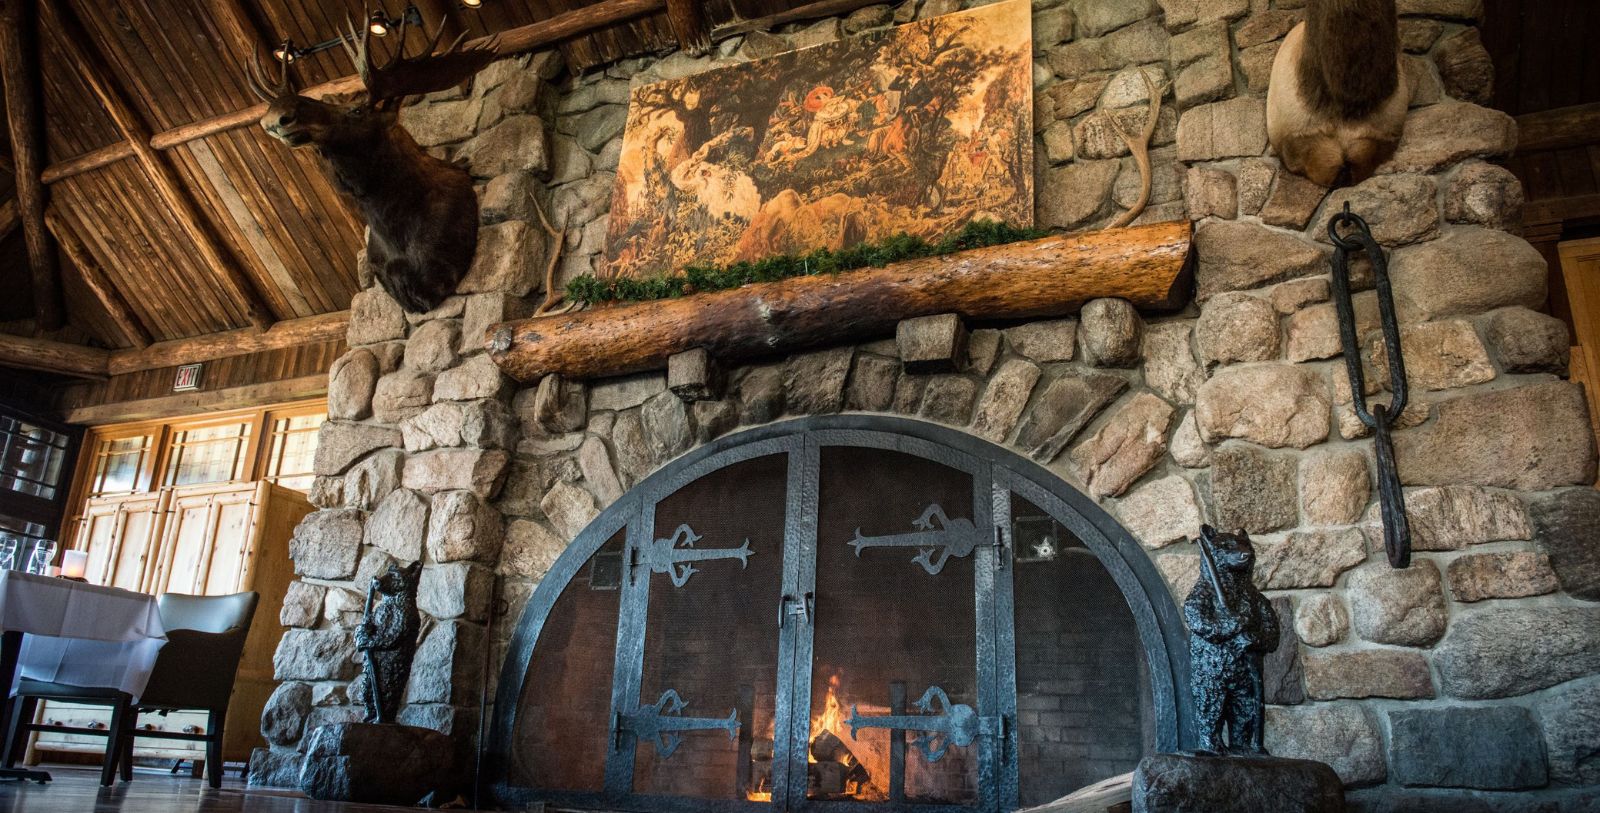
x=81 y=634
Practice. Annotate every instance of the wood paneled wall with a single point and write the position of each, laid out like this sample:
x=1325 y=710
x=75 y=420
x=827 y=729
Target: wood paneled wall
x=273 y=376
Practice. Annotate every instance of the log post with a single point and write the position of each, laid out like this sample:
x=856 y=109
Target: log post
x=94 y=278
x=19 y=70
x=168 y=186
x=1049 y=277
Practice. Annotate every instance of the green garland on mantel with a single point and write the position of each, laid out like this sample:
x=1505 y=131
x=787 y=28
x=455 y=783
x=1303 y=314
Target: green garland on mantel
x=589 y=289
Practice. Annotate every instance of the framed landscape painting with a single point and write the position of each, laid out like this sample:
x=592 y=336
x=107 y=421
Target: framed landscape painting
x=917 y=129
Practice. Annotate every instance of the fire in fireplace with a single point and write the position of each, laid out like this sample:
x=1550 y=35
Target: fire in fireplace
x=839 y=613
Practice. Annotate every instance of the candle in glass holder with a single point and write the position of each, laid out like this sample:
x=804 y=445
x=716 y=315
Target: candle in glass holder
x=74 y=563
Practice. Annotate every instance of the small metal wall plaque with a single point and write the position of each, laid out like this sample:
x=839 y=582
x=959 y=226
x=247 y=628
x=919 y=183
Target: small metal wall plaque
x=188 y=378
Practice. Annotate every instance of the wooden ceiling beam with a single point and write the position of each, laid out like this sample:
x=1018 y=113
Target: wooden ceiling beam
x=1563 y=127
x=94 y=278
x=551 y=31
x=287 y=333
x=185 y=210
x=688 y=23
x=19 y=70
x=809 y=11
x=26 y=353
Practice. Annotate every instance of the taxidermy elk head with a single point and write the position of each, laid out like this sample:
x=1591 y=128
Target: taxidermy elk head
x=421 y=212
x=1337 y=101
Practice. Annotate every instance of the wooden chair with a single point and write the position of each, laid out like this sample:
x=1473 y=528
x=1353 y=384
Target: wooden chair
x=194 y=672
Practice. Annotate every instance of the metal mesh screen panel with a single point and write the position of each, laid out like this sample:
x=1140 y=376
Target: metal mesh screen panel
x=1083 y=698
x=713 y=641
x=886 y=629
x=563 y=726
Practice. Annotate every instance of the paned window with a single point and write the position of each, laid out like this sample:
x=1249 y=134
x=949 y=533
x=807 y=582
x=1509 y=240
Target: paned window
x=31 y=458
x=291 y=447
x=208 y=454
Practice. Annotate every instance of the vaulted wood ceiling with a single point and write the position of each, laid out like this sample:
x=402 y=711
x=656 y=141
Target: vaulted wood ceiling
x=176 y=63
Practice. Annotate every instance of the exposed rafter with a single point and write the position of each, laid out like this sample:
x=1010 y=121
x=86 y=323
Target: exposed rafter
x=552 y=31
x=688 y=22
x=809 y=11
x=19 y=70
x=94 y=278
x=209 y=246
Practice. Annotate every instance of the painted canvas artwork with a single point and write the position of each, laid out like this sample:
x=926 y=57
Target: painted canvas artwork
x=918 y=129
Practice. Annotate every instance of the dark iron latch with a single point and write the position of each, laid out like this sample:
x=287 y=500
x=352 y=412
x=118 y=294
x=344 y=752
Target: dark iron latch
x=1380 y=418
x=803 y=607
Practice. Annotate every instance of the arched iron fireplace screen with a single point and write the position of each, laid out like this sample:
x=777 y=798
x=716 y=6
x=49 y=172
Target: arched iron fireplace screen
x=840 y=613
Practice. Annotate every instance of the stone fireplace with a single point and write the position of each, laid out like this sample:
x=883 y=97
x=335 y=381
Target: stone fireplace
x=1080 y=449
x=778 y=595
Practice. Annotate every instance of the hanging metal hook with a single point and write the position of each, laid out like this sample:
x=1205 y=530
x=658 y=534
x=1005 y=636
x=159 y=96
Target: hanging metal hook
x=1380 y=417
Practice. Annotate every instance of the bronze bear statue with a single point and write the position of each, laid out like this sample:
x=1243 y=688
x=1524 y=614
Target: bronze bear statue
x=388 y=637
x=1232 y=627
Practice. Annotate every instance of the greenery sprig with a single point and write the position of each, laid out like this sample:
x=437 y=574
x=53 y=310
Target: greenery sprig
x=590 y=289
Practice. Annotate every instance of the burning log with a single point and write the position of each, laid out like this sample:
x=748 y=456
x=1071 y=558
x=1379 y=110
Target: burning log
x=836 y=771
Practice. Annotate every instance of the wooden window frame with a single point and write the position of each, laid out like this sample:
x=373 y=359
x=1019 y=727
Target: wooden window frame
x=153 y=473
x=263 y=461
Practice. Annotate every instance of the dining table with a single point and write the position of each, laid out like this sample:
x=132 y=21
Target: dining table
x=72 y=632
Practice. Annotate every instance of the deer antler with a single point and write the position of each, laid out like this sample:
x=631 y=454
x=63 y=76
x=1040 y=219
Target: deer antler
x=266 y=90
x=1140 y=148
x=404 y=76
x=552 y=296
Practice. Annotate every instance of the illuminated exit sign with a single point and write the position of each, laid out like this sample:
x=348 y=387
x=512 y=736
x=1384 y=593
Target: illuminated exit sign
x=188 y=378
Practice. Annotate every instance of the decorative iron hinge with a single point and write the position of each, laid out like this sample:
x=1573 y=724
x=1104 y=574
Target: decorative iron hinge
x=672 y=556
x=955 y=724
x=659 y=724
x=936 y=534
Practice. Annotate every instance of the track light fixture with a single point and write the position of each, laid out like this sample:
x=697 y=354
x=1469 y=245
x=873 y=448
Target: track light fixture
x=379 y=24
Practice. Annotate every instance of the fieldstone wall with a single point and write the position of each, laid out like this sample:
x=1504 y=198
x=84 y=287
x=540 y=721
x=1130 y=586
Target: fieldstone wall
x=1470 y=681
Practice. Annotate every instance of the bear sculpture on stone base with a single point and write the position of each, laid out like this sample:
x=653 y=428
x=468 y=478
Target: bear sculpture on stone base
x=388 y=637
x=1232 y=627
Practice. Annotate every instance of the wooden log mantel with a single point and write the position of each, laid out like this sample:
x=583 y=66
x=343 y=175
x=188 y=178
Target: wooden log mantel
x=1052 y=276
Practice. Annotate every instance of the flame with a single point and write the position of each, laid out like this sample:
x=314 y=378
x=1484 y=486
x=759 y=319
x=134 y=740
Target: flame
x=833 y=717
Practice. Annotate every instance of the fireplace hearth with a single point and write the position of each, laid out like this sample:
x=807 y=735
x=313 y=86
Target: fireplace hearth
x=848 y=613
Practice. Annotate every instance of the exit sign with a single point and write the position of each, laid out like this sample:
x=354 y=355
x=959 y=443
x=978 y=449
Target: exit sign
x=188 y=378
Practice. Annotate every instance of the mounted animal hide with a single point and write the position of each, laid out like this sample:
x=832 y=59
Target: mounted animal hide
x=421 y=212
x=1337 y=103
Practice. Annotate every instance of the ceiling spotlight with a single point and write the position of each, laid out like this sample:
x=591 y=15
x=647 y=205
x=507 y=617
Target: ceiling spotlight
x=286 y=52
x=378 y=23
x=472 y=3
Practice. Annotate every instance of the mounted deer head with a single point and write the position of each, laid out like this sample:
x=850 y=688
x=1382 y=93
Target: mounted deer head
x=421 y=212
x=1337 y=97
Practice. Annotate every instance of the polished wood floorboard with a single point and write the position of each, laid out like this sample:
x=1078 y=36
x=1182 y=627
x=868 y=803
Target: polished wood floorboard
x=77 y=790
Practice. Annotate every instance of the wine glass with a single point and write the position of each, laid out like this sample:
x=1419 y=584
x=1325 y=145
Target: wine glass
x=8 y=552
x=44 y=552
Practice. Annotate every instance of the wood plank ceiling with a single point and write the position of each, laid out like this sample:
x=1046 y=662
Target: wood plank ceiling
x=276 y=216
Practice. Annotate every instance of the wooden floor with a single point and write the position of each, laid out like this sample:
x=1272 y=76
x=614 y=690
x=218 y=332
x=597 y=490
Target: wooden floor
x=77 y=790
